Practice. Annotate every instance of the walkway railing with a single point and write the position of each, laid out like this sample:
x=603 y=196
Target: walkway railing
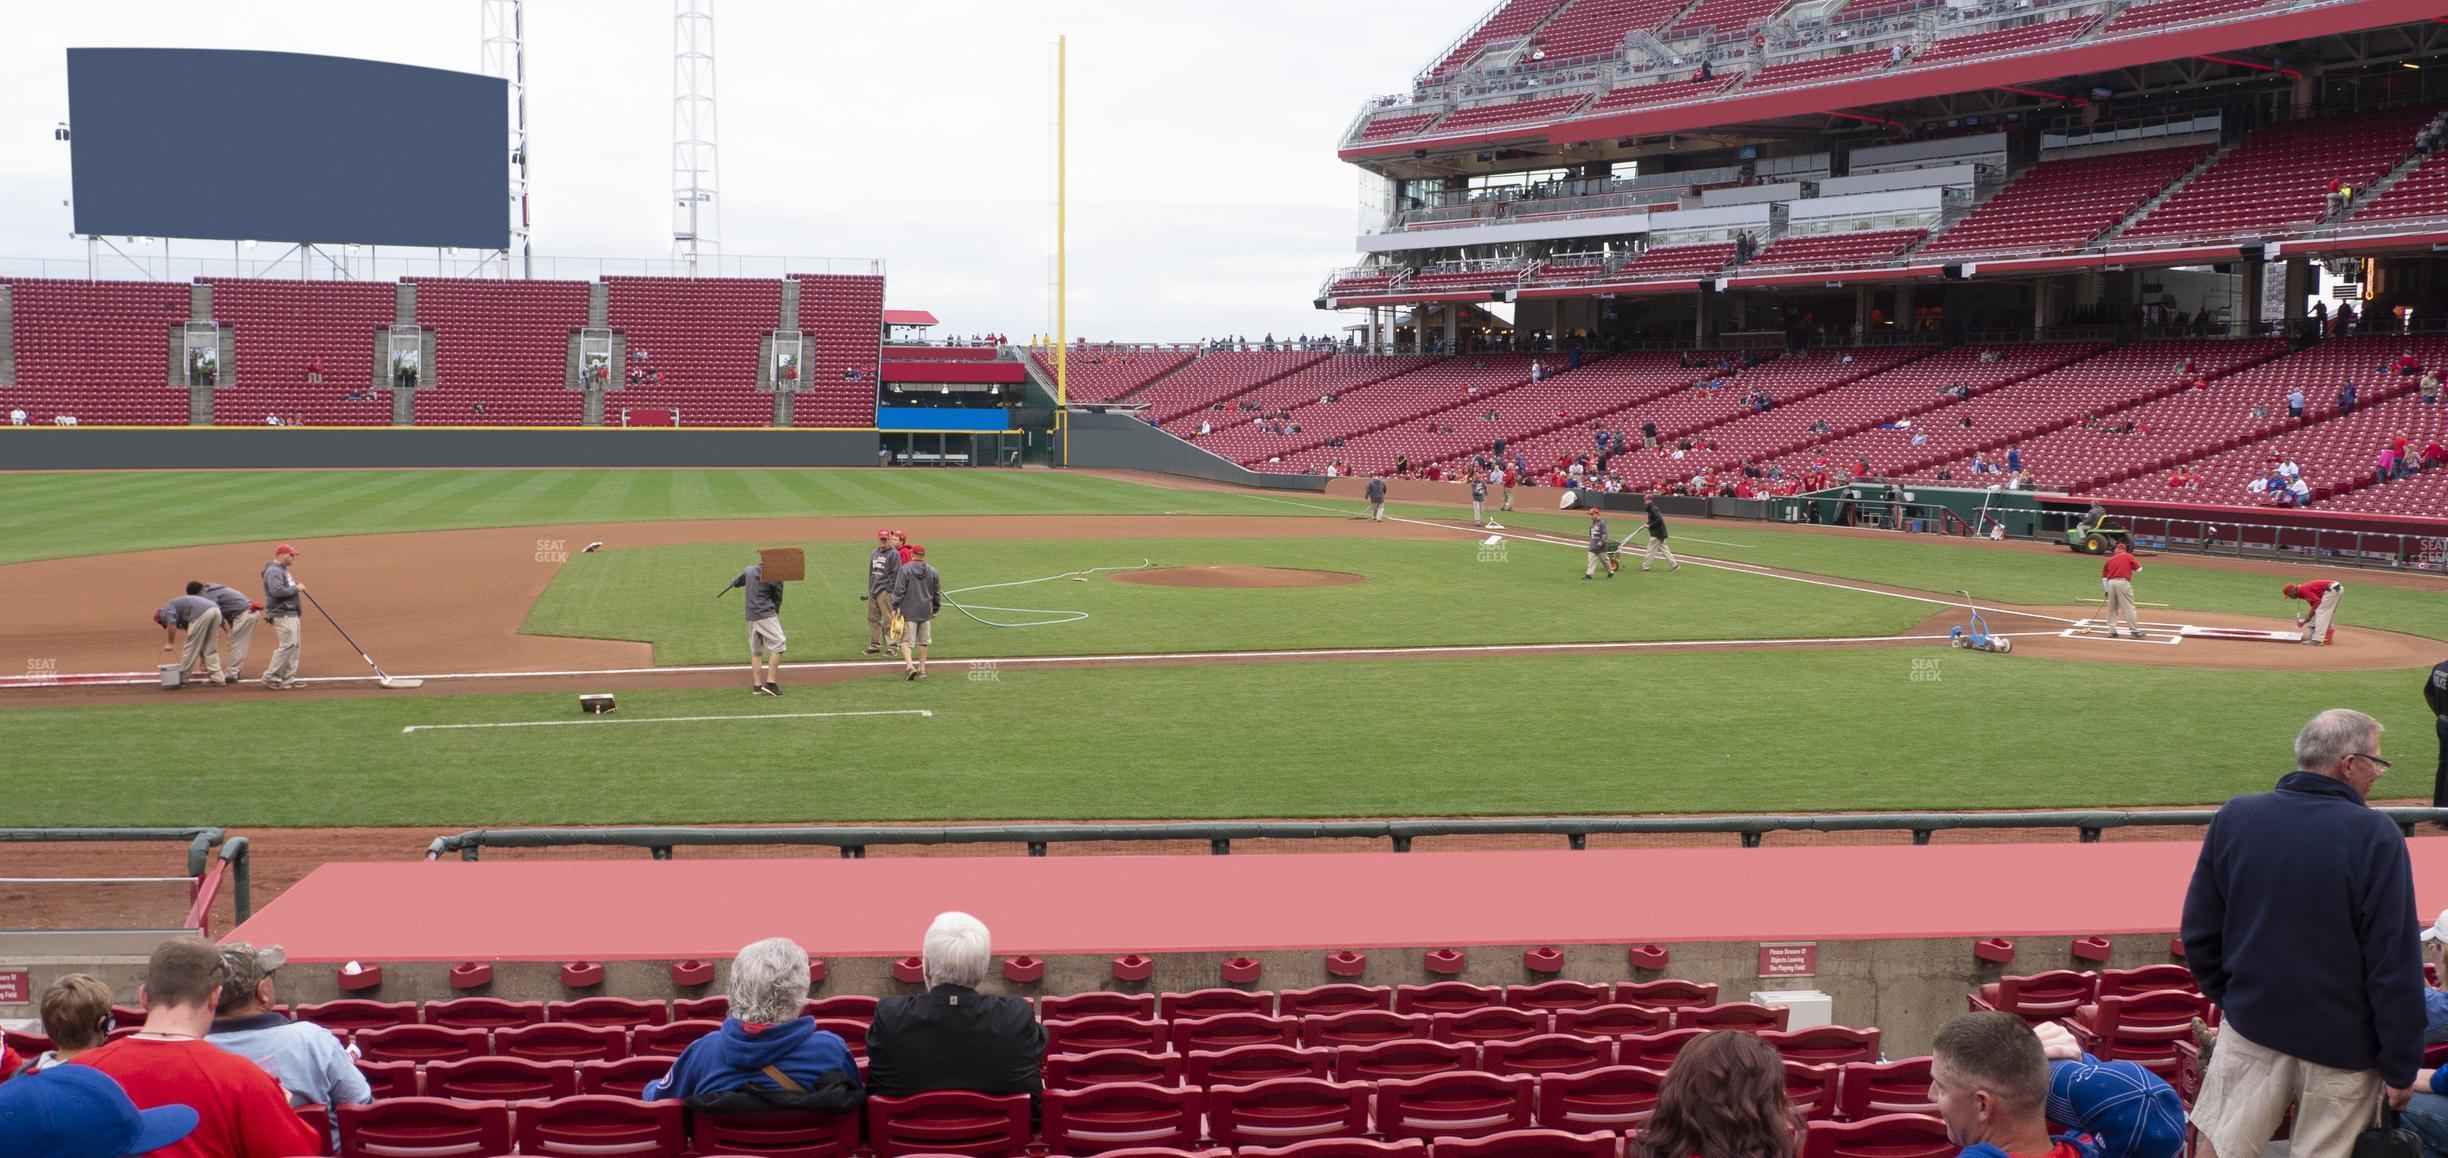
x=204 y=868
x=854 y=841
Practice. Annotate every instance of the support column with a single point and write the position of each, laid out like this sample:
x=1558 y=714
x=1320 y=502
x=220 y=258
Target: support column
x=2298 y=288
x=2041 y=297
x=1904 y=308
x=2255 y=276
x=1704 y=326
x=1861 y=311
x=1453 y=327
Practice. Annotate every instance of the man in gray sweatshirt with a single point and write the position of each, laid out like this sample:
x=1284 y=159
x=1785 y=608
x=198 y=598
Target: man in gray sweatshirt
x=1376 y=499
x=918 y=591
x=281 y=611
x=765 y=639
x=238 y=616
x=881 y=567
x=200 y=618
x=310 y=1064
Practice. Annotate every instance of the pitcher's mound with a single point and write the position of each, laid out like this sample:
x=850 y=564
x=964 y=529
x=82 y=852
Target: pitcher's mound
x=1228 y=575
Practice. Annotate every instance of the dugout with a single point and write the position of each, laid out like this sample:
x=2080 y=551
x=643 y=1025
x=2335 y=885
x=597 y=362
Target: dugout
x=1895 y=505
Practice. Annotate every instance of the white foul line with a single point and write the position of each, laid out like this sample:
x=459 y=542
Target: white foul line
x=662 y=720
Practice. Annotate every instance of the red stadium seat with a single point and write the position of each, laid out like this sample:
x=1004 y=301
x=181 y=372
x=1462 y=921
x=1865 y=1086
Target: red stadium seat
x=353 y=1015
x=1530 y=1144
x=1870 y=1089
x=1225 y=1031
x=1111 y=1117
x=620 y=1011
x=1824 y=1044
x=1614 y=1020
x=778 y=1134
x=1251 y=1064
x=667 y=1040
x=1064 y=1007
x=563 y=1041
x=595 y=1126
x=1324 y=1000
x=1456 y=1105
x=1666 y=994
x=1656 y=1050
x=483 y=1013
x=1445 y=997
x=1360 y=1027
x=2143 y=1028
x=1552 y=1053
x=1616 y=1099
x=1495 y=1023
x=1104 y=1031
x=1812 y=1089
x=949 y=1122
x=1337 y=1148
x=1071 y=1071
x=1746 y=1016
x=500 y=1079
x=703 y=1008
x=2146 y=979
x=1402 y=1058
x=846 y=1007
x=1888 y=1136
x=1287 y=1110
x=424 y=1128
x=2037 y=997
x=386 y=1079
x=1211 y=1002
x=1557 y=995
x=421 y=1043
x=624 y=1077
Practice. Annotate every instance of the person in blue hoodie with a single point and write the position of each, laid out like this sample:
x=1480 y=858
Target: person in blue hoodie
x=766 y=1056
x=1999 y=1083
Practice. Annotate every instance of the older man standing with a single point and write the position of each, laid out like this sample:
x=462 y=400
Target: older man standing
x=952 y=1037
x=2116 y=583
x=281 y=611
x=918 y=595
x=881 y=567
x=2300 y=923
x=1376 y=498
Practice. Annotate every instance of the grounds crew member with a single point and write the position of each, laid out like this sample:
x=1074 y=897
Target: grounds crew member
x=1599 y=551
x=238 y=616
x=881 y=567
x=1478 y=492
x=766 y=642
x=918 y=591
x=1657 y=537
x=1507 y=479
x=281 y=610
x=2323 y=595
x=1376 y=498
x=2116 y=580
x=2435 y=693
x=200 y=618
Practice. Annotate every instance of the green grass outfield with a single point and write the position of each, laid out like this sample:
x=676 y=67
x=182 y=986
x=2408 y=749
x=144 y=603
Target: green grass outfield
x=1417 y=593
x=1781 y=732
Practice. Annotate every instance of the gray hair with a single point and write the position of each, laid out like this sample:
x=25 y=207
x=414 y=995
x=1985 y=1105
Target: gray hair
x=955 y=951
x=769 y=981
x=2332 y=736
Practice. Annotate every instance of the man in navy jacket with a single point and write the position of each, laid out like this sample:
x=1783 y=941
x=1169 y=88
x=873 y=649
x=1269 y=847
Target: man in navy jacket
x=2300 y=923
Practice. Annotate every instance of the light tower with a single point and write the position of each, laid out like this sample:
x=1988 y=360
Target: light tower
x=505 y=56
x=696 y=213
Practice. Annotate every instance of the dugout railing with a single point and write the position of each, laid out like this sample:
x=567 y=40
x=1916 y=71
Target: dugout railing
x=853 y=841
x=214 y=860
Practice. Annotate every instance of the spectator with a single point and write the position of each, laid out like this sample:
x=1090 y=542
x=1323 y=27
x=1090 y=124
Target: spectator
x=76 y=1112
x=766 y=1056
x=309 y=1062
x=2430 y=389
x=2346 y=398
x=2295 y=402
x=1724 y=1097
x=314 y=372
x=1999 y=1083
x=952 y=1037
x=2300 y=923
x=76 y=1016
x=241 y=1110
x=17 y=416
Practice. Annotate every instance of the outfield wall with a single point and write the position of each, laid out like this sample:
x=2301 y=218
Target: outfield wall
x=1123 y=442
x=252 y=448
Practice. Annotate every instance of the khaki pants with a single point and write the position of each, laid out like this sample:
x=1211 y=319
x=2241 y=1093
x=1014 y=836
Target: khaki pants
x=241 y=637
x=2121 y=605
x=1478 y=511
x=879 y=617
x=284 y=666
x=200 y=649
x=2319 y=633
x=1595 y=559
x=1658 y=547
x=1507 y=504
x=1377 y=511
x=2248 y=1089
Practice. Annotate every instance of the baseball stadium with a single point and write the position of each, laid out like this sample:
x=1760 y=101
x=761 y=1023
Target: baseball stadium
x=1803 y=522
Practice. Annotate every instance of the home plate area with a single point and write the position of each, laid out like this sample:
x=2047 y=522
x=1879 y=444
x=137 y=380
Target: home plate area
x=2173 y=634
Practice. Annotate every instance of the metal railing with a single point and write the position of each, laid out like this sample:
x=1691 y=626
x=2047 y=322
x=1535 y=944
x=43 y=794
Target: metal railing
x=233 y=854
x=854 y=841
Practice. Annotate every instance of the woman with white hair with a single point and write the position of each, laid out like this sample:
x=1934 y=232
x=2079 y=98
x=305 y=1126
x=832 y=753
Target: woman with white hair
x=952 y=1037
x=766 y=1056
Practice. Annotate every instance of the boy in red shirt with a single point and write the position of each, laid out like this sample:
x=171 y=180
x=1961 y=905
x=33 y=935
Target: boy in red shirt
x=2323 y=595
x=241 y=1111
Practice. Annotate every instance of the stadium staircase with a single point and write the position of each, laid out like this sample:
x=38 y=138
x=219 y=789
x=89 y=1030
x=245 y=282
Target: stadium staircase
x=8 y=336
x=2208 y=162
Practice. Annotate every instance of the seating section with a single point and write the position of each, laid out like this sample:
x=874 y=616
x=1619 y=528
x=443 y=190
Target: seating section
x=2421 y=192
x=1457 y=281
x=1825 y=250
x=1951 y=49
x=1663 y=261
x=1221 y=375
x=1367 y=283
x=841 y=319
x=1725 y=16
x=1663 y=92
x=2064 y=204
x=281 y=330
x=1817 y=69
x=1514 y=19
x=1512 y=112
x=1392 y=126
x=1233 y=432
x=2334 y=452
x=2151 y=16
x=702 y=337
x=2278 y=178
x=1592 y=26
x=502 y=345
x=1109 y=373
x=1429 y=389
x=96 y=351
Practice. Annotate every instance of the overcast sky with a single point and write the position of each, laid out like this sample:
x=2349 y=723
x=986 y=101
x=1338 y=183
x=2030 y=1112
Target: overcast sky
x=1205 y=195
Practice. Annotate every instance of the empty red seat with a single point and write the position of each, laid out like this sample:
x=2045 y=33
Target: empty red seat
x=1551 y=1053
x=1110 y=1117
x=1870 y=1089
x=1495 y=1023
x=1615 y=1099
x=483 y=1013
x=1614 y=1020
x=2142 y=1028
x=775 y=1134
x=1361 y=1027
x=500 y=1079
x=1445 y=997
x=710 y=1008
x=1455 y=1105
x=668 y=1039
x=354 y=1014
x=1337 y=1148
x=949 y=1122
x=1229 y=1030
x=384 y=1079
x=1402 y=1058
x=626 y=1077
x=1667 y=993
x=1555 y=995
x=2146 y=979
x=1532 y=1143
x=1287 y=1110
x=1104 y=1031
x=562 y=1041
x=2037 y=997
x=596 y=1126
x=1335 y=998
x=1824 y=1044
x=1888 y=1136
x=1251 y=1064
x=1071 y=1071
x=424 y=1128
x=421 y=1043
x=1656 y=1050
x=1063 y=1007
x=1746 y=1016
x=1210 y=1002
x=621 y=1011
x=1812 y=1089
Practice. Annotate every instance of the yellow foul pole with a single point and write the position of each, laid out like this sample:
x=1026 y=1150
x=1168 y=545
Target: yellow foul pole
x=1062 y=209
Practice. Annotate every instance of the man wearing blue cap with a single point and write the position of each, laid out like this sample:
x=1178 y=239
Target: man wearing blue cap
x=79 y=1112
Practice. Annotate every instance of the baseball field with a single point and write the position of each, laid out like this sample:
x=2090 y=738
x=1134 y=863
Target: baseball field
x=1114 y=648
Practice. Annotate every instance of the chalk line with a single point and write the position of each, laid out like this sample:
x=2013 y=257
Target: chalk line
x=661 y=720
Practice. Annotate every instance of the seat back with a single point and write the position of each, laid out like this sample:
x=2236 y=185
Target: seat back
x=598 y=1126
x=2146 y=979
x=1110 y=1117
x=1210 y=1002
x=1104 y=1031
x=1494 y=1023
x=424 y=1128
x=1322 y=1000
x=1251 y=1064
x=1886 y=1136
x=1745 y=1016
x=1337 y=1148
x=1456 y=1105
x=626 y=1012
x=1445 y=997
x=1615 y=1020
x=1824 y=1044
x=1666 y=993
x=949 y=1122
x=483 y=1013
x=669 y=1039
x=1286 y=1110
x=1812 y=1089
x=563 y=1041
x=847 y=1007
x=1228 y=1030
x=775 y=1134
x=500 y=1079
x=1555 y=995
x=1655 y=1050
x=387 y=1079
x=1547 y=1053
x=1360 y=1027
x=626 y=1077
x=1617 y=1099
x=1402 y=1058
x=1064 y=1006
x=421 y=1044
x=1071 y=1071
x=1870 y=1089
x=351 y=1014
x=2040 y=996
x=1529 y=1144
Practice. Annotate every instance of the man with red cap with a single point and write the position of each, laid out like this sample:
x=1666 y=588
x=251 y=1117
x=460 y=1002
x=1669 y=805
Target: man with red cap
x=881 y=567
x=281 y=611
x=918 y=593
x=2323 y=595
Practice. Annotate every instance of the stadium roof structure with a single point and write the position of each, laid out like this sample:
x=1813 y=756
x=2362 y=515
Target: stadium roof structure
x=909 y=318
